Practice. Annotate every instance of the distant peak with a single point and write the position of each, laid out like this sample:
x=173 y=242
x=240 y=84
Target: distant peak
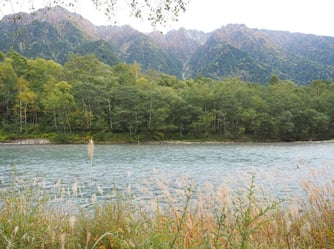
x=235 y=27
x=55 y=14
x=45 y=14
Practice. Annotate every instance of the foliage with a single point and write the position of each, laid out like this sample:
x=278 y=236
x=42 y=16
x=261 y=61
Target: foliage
x=42 y=39
x=87 y=97
x=218 y=59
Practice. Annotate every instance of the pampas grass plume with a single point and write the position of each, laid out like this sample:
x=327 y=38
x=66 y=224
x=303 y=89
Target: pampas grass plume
x=91 y=156
x=91 y=149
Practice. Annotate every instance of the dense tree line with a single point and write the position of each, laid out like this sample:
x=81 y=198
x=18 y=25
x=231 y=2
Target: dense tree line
x=87 y=97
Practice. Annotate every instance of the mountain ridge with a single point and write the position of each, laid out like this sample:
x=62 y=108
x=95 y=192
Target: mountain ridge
x=233 y=50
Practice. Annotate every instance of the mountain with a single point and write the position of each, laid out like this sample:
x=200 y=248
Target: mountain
x=231 y=51
x=53 y=33
x=180 y=44
x=216 y=58
x=256 y=55
x=316 y=48
x=133 y=45
x=56 y=16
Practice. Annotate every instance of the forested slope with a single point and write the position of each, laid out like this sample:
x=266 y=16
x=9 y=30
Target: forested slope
x=86 y=97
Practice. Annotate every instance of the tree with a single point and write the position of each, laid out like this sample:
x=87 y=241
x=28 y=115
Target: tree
x=59 y=102
x=319 y=86
x=285 y=125
x=156 y=12
x=8 y=92
x=129 y=113
x=274 y=80
x=93 y=83
x=311 y=124
x=248 y=119
x=25 y=101
x=228 y=108
x=125 y=74
x=2 y=57
x=18 y=62
x=264 y=127
x=42 y=71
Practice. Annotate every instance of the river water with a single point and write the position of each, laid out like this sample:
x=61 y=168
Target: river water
x=277 y=167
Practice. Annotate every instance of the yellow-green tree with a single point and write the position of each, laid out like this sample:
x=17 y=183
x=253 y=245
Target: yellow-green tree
x=8 y=79
x=25 y=102
x=59 y=102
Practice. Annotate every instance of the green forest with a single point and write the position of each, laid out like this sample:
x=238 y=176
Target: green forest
x=86 y=98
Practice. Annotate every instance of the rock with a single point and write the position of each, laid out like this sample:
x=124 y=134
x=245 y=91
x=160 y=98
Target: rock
x=31 y=141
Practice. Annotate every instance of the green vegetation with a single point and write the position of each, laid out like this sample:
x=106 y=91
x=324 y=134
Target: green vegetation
x=232 y=51
x=86 y=97
x=168 y=217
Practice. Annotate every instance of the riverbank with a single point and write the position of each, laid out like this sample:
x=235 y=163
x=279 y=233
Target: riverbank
x=29 y=141
x=114 y=138
x=44 y=141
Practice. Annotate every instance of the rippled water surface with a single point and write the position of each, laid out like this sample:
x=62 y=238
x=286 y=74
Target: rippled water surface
x=279 y=167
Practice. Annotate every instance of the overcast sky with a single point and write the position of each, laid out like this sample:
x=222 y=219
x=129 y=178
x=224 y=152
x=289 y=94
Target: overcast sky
x=306 y=16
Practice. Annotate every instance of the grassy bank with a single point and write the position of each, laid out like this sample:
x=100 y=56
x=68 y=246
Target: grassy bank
x=185 y=217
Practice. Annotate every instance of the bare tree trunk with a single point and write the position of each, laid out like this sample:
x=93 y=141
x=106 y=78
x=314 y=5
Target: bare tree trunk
x=25 y=117
x=20 y=106
x=55 y=119
x=109 y=114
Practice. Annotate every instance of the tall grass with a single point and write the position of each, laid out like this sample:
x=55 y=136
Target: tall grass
x=168 y=217
x=90 y=150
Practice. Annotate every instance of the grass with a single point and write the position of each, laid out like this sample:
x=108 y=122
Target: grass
x=168 y=217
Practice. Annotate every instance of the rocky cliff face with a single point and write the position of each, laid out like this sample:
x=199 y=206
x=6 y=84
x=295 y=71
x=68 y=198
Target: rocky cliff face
x=231 y=51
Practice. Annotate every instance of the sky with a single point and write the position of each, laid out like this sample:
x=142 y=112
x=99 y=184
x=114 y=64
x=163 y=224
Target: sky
x=305 y=16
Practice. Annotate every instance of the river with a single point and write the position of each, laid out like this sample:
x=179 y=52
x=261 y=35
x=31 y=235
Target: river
x=277 y=167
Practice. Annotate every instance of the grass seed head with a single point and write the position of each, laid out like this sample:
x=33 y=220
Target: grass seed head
x=91 y=149
x=72 y=220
